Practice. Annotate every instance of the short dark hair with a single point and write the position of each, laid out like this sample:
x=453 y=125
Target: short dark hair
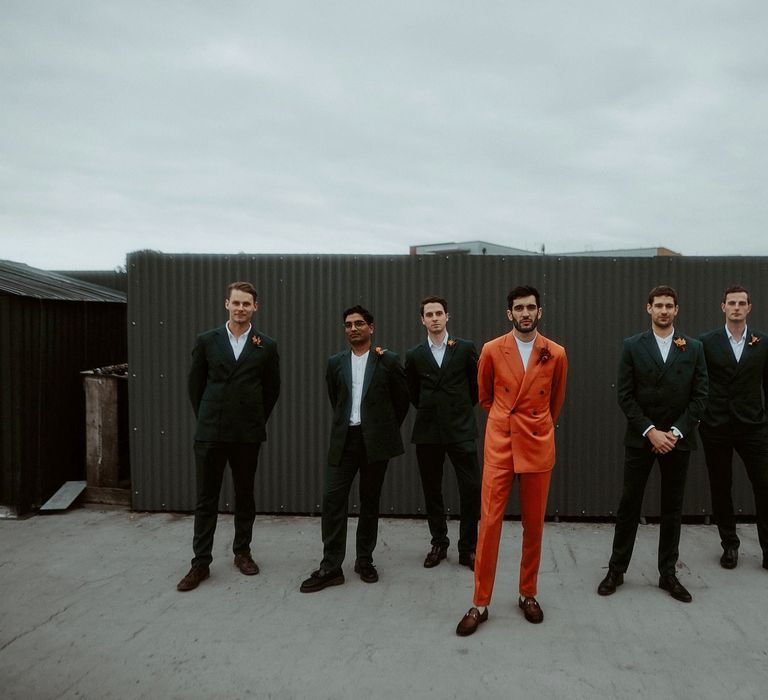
x=662 y=290
x=433 y=300
x=357 y=309
x=246 y=287
x=522 y=291
x=734 y=289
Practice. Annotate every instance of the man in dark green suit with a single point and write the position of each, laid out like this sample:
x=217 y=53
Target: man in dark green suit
x=234 y=383
x=662 y=390
x=442 y=380
x=735 y=419
x=369 y=397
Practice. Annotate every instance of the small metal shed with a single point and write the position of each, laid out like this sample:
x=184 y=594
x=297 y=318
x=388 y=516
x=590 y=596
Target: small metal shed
x=51 y=328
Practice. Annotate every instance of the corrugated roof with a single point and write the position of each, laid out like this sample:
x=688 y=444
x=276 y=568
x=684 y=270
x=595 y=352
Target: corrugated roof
x=25 y=281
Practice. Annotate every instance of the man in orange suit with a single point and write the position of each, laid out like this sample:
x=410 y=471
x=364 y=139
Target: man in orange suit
x=521 y=382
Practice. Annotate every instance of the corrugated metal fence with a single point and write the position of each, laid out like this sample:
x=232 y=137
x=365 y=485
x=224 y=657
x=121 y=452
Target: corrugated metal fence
x=590 y=305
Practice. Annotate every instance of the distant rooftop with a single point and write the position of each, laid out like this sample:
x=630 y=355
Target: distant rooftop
x=468 y=248
x=17 y=279
x=485 y=248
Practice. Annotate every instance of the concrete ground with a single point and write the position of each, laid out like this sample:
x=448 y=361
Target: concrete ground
x=89 y=609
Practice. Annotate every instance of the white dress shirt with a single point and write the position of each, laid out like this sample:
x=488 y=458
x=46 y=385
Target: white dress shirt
x=358 y=377
x=438 y=351
x=737 y=345
x=664 y=344
x=238 y=343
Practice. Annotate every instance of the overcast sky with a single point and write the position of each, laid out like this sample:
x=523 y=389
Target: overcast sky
x=367 y=127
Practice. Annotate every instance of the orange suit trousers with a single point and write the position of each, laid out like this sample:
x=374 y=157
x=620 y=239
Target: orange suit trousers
x=497 y=485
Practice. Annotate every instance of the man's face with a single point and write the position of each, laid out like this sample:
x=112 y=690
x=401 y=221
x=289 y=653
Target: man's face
x=662 y=311
x=358 y=331
x=240 y=306
x=736 y=307
x=524 y=314
x=434 y=318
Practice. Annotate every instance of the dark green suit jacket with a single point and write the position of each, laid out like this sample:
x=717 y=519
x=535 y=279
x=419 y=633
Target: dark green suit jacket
x=232 y=399
x=737 y=390
x=383 y=407
x=444 y=396
x=663 y=394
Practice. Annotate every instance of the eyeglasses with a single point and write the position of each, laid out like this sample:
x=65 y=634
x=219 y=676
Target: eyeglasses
x=355 y=324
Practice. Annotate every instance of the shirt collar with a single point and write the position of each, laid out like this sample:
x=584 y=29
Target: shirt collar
x=242 y=337
x=667 y=339
x=732 y=339
x=441 y=345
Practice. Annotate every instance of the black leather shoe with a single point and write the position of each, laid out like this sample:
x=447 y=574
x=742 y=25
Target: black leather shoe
x=675 y=588
x=467 y=559
x=471 y=621
x=195 y=576
x=730 y=558
x=531 y=609
x=435 y=556
x=367 y=571
x=322 y=578
x=245 y=563
x=613 y=579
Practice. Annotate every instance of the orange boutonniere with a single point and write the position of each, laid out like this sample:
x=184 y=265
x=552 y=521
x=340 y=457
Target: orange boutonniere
x=753 y=340
x=451 y=342
x=256 y=340
x=680 y=342
x=544 y=355
x=379 y=350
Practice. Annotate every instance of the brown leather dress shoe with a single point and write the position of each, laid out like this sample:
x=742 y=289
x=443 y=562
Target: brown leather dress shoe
x=471 y=621
x=730 y=558
x=675 y=588
x=245 y=563
x=467 y=559
x=435 y=556
x=531 y=609
x=194 y=577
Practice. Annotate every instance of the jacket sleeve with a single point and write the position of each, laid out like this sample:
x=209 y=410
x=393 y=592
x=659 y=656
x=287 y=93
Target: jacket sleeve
x=472 y=374
x=398 y=389
x=198 y=375
x=330 y=383
x=270 y=383
x=413 y=378
x=688 y=421
x=557 y=394
x=625 y=385
x=485 y=379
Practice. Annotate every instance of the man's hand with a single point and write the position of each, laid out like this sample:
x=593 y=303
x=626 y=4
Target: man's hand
x=661 y=442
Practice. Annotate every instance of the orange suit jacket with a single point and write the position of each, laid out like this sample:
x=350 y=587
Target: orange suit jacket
x=522 y=405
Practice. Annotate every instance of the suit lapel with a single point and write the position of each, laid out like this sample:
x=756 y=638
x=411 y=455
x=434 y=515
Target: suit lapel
x=514 y=362
x=429 y=357
x=370 y=368
x=649 y=344
x=222 y=340
x=450 y=351
x=346 y=369
x=249 y=346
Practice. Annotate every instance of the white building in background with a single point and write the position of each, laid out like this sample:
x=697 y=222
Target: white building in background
x=485 y=248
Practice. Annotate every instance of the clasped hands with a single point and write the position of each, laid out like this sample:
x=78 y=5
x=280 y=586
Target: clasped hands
x=662 y=441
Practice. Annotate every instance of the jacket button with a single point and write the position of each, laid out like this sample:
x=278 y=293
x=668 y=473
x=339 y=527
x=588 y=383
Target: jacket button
x=505 y=389
x=534 y=412
x=535 y=433
x=512 y=411
x=541 y=392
